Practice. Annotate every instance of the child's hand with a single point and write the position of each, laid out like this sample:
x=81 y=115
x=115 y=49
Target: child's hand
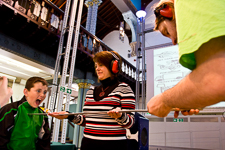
x=5 y=91
x=56 y=115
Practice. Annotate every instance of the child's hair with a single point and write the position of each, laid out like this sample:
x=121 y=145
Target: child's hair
x=31 y=81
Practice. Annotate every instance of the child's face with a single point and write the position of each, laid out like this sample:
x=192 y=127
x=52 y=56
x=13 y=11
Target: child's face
x=36 y=95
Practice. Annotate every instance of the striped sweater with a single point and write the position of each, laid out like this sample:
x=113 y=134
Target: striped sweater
x=102 y=126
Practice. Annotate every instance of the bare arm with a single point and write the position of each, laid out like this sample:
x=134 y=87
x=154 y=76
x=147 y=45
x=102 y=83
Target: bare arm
x=206 y=84
x=202 y=87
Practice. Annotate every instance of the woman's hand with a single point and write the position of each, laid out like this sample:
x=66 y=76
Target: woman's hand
x=56 y=115
x=114 y=113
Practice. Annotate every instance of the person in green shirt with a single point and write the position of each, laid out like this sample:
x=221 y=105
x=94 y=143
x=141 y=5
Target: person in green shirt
x=20 y=131
x=198 y=29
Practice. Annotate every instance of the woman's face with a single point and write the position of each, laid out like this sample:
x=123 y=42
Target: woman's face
x=102 y=71
x=168 y=29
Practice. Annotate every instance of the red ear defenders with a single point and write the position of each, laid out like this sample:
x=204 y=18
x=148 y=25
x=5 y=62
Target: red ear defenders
x=115 y=65
x=164 y=10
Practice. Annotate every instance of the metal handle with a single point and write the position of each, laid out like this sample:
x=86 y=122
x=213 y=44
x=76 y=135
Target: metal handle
x=102 y=112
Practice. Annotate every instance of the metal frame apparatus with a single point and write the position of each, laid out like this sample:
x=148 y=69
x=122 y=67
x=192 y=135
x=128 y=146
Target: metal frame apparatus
x=137 y=68
x=65 y=65
x=143 y=61
x=140 y=53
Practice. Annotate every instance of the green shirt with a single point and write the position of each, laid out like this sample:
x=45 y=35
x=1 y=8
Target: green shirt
x=20 y=131
x=197 y=21
x=26 y=129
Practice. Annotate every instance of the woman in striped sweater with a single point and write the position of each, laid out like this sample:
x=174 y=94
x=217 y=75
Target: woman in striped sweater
x=105 y=131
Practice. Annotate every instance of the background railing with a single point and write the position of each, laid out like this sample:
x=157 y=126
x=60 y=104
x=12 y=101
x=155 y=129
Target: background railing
x=48 y=16
x=90 y=44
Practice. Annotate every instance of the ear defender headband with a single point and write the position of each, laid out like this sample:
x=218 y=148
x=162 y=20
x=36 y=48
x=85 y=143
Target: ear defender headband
x=115 y=65
x=164 y=10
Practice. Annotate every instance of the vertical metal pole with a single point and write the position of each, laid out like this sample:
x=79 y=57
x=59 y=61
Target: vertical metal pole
x=65 y=66
x=55 y=79
x=72 y=66
x=79 y=103
x=137 y=66
x=81 y=129
x=143 y=61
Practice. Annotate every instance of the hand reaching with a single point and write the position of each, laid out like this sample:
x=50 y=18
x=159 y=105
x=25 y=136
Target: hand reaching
x=56 y=115
x=5 y=91
x=157 y=107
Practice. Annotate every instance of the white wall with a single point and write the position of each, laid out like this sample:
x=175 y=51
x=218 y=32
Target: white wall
x=205 y=133
x=17 y=91
x=112 y=40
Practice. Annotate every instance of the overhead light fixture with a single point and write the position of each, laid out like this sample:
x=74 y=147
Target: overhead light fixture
x=47 y=76
x=12 y=62
x=16 y=71
x=141 y=14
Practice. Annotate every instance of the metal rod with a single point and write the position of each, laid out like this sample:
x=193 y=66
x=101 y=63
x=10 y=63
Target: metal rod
x=72 y=67
x=91 y=112
x=102 y=112
x=137 y=97
x=44 y=114
x=143 y=62
x=57 y=65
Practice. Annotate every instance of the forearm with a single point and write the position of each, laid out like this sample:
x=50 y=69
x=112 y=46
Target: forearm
x=77 y=119
x=127 y=102
x=126 y=120
x=203 y=87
